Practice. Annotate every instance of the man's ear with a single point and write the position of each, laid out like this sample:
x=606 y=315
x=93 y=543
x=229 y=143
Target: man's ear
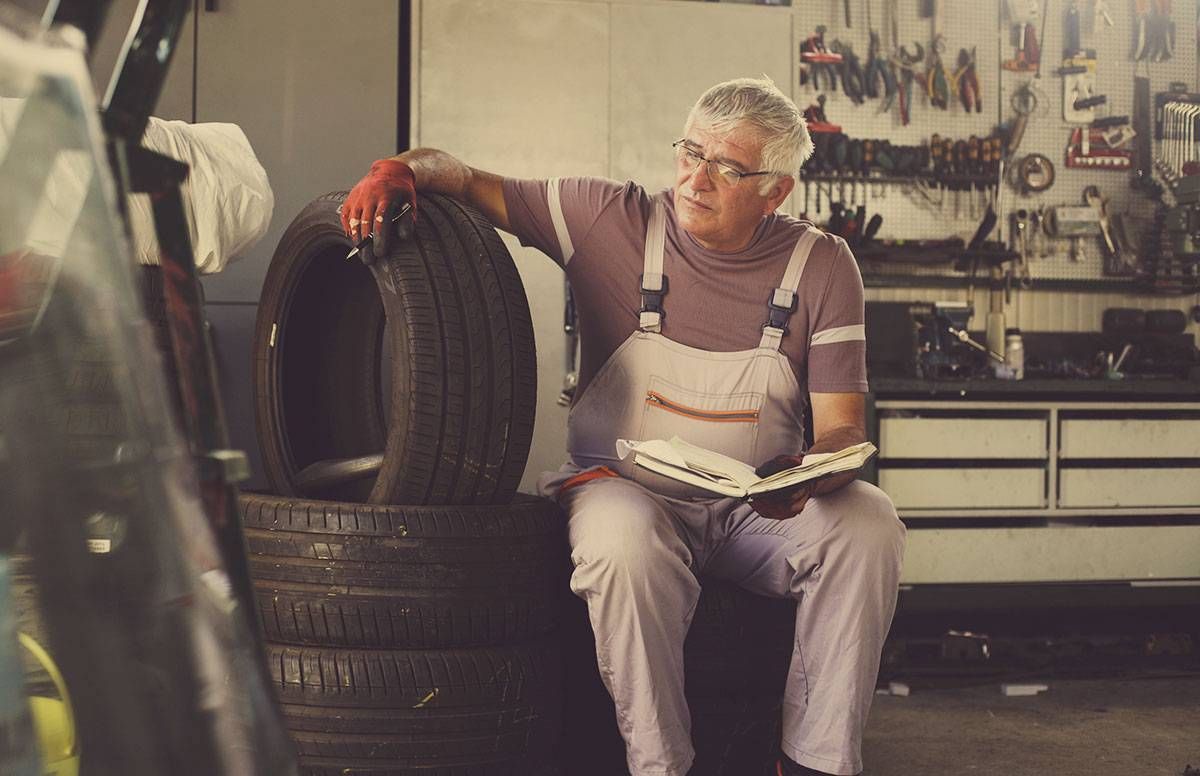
x=778 y=193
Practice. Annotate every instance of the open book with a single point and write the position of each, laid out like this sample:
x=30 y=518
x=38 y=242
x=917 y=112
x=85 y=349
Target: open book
x=727 y=476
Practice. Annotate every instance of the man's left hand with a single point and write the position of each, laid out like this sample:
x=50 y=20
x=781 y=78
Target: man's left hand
x=783 y=504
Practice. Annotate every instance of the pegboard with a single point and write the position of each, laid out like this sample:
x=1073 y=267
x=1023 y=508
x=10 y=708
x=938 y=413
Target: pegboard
x=986 y=26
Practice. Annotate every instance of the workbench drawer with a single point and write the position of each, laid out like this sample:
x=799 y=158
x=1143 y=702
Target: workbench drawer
x=958 y=438
x=964 y=488
x=1173 y=487
x=1129 y=438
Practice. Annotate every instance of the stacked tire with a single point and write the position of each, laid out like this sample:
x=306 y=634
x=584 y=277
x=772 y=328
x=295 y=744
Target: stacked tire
x=408 y=596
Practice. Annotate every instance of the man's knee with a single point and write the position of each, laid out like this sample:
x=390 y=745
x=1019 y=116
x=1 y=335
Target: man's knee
x=616 y=523
x=866 y=520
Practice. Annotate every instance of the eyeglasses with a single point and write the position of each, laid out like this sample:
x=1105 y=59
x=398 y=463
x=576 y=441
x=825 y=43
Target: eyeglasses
x=726 y=175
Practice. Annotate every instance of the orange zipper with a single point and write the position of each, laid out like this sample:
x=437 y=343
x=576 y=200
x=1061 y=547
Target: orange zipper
x=712 y=416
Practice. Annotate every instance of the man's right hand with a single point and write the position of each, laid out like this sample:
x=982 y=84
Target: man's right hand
x=389 y=185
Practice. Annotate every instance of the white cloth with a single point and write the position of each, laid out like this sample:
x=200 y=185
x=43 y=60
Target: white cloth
x=227 y=198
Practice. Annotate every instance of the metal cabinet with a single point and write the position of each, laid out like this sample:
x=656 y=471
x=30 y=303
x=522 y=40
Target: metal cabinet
x=1044 y=491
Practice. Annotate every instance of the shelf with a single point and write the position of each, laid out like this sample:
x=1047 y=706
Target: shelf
x=1118 y=285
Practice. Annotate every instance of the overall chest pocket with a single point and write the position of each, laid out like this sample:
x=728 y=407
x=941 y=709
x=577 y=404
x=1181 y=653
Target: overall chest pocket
x=724 y=422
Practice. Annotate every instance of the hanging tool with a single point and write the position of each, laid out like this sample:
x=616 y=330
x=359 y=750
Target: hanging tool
x=819 y=124
x=937 y=86
x=966 y=81
x=1071 y=40
x=1162 y=32
x=1091 y=197
x=819 y=61
x=1141 y=10
x=906 y=64
x=1154 y=38
x=853 y=78
x=1107 y=146
x=1029 y=53
x=1079 y=96
x=1034 y=173
x=879 y=71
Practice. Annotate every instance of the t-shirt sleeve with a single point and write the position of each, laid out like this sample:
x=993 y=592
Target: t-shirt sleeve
x=837 y=350
x=556 y=215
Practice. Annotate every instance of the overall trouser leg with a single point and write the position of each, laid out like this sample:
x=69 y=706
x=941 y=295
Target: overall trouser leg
x=633 y=567
x=840 y=559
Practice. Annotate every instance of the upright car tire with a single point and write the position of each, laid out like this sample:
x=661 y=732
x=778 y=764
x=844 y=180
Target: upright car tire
x=411 y=382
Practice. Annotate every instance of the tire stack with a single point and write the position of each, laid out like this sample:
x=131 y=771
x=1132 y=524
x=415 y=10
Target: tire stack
x=408 y=596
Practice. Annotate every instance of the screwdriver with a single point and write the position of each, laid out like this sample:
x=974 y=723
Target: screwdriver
x=363 y=242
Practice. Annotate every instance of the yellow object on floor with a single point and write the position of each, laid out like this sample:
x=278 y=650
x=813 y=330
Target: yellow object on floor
x=53 y=719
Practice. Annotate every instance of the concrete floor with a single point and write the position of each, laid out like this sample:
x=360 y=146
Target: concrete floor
x=1143 y=727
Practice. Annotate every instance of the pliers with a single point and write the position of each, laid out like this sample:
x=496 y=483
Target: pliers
x=966 y=82
x=906 y=63
x=879 y=69
x=1154 y=40
x=819 y=60
x=853 y=79
x=936 y=84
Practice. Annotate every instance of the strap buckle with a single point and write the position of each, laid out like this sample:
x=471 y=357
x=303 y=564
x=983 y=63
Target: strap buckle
x=652 y=300
x=777 y=314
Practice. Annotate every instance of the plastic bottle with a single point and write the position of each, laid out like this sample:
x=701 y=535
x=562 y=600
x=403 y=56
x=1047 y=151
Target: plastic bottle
x=1014 y=353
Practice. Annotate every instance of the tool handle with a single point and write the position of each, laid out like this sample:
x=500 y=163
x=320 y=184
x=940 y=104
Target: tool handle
x=985 y=228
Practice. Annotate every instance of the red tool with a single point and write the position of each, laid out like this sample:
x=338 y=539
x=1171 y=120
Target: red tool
x=1097 y=153
x=1029 y=53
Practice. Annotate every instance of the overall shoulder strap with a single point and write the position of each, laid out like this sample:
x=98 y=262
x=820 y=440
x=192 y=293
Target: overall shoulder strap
x=653 y=285
x=783 y=299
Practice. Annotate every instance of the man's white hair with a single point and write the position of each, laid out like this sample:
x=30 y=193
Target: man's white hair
x=759 y=103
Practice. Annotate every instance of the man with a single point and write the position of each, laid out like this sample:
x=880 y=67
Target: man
x=672 y=290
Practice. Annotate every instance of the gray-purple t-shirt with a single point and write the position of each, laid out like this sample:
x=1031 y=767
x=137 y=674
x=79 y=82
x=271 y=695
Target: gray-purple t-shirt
x=714 y=301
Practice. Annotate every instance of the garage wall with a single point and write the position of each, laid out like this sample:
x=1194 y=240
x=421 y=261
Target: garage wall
x=550 y=88
x=542 y=88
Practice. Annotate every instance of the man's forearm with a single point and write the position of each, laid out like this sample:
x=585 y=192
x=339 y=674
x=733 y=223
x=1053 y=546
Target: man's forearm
x=833 y=440
x=437 y=171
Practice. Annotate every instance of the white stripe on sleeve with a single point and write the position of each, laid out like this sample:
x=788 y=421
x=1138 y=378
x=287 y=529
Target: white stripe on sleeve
x=560 y=222
x=839 y=334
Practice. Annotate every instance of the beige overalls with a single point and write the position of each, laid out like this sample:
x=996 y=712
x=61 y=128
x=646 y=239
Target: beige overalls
x=639 y=541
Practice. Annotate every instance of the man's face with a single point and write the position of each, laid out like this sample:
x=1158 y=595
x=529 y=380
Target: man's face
x=720 y=216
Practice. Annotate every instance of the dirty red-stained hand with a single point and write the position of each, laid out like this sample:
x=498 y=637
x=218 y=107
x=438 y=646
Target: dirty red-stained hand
x=783 y=504
x=388 y=184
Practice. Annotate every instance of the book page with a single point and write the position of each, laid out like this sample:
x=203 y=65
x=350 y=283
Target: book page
x=687 y=463
x=708 y=461
x=715 y=484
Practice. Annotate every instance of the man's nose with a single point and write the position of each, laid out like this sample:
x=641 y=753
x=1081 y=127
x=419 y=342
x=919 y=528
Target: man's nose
x=701 y=178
